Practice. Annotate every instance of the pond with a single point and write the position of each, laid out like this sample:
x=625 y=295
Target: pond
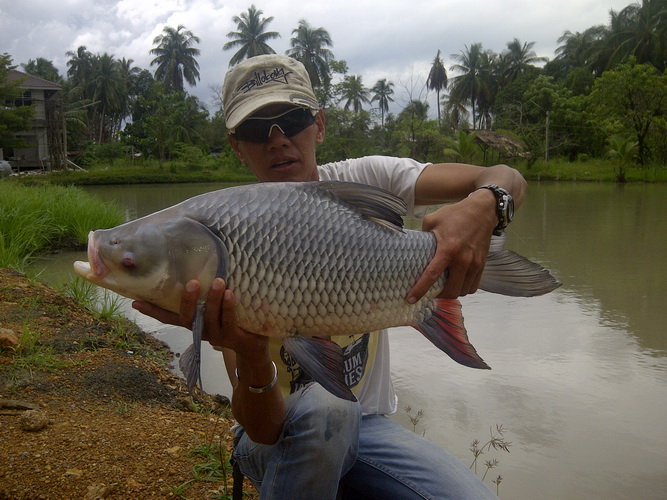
x=579 y=376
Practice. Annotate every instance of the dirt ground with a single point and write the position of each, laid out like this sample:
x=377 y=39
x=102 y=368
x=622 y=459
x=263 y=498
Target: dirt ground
x=91 y=413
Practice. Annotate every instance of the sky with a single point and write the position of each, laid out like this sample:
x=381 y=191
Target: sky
x=392 y=39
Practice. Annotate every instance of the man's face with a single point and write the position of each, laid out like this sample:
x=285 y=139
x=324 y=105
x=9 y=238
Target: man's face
x=282 y=158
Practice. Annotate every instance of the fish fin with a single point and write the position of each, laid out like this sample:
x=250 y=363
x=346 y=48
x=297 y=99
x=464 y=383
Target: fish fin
x=322 y=359
x=509 y=273
x=190 y=362
x=446 y=331
x=373 y=203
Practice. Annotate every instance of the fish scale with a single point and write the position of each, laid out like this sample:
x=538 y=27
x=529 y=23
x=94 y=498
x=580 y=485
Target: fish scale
x=304 y=260
x=363 y=289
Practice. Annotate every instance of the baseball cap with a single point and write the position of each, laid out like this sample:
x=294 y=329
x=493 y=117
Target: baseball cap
x=263 y=80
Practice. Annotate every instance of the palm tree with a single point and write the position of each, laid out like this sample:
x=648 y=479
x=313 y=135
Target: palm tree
x=251 y=36
x=309 y=45
x=640 y=31
x=382 y=92
x=176 y=58
x=79 y=66
x=108 y=91
x=352 y=90
x=471 y=85
x=437 y=79
x=520 y=57
x=42 y=68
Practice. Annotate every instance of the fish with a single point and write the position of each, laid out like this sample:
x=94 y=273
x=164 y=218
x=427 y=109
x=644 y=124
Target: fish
x=307 y=261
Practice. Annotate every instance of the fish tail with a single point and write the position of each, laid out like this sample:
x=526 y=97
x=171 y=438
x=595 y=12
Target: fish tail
x=446 y=331
x=509 y=273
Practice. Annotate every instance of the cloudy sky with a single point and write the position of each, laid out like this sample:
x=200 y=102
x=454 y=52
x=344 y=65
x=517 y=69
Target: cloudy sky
x=393 y=39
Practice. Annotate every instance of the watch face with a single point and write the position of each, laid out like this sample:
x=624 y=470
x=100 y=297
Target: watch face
x=510 y=208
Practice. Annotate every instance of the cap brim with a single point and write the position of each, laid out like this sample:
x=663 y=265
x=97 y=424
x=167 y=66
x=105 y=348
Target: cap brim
x=251 y=106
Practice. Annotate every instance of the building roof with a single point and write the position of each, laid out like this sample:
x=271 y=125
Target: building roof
x=31 y=81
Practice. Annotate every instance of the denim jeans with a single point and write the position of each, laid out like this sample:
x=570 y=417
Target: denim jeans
x=328 y=448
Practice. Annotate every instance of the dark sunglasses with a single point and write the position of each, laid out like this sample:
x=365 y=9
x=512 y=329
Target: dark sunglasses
x=289 y=123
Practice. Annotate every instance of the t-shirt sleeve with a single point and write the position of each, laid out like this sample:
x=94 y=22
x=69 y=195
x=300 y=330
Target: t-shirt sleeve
x=396 y=175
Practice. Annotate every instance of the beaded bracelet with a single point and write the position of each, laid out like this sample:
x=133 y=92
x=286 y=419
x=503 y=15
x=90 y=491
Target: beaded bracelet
x=268 y=387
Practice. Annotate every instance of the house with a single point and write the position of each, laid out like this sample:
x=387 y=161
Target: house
x=47 y=138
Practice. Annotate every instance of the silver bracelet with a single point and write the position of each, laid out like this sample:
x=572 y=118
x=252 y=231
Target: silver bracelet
x=267 y=387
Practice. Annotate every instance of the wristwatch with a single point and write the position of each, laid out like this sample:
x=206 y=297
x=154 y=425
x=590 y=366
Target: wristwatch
x=504 y=207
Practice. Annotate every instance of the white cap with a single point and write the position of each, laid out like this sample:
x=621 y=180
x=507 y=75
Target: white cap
x=263 y=80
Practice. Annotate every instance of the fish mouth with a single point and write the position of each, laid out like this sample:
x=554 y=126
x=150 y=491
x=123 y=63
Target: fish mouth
x=94 y=269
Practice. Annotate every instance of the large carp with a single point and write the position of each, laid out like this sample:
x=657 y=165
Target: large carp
x=306 y=261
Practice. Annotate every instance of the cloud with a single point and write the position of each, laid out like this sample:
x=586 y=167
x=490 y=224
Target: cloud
x=393 y=39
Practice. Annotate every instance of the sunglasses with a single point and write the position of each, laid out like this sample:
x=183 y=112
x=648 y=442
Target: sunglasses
x=289 y=123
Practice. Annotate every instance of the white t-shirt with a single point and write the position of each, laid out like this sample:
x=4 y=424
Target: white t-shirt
x=367 y=368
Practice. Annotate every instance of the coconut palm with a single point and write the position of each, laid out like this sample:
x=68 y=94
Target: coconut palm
x=309 y=45
x=108 y=92
x=640 y=31
x=251 y=37
x=437 y=79
x=354 y=93
x=472 y=84
x=42 y=68
x=382 y=92
x=176 y=58
x=520 y=57
x=79 y=66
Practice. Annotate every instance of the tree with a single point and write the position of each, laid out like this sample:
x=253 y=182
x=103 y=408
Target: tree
x=520 y=57
x=108 y=92
x=641 y=32
x=309 y=45
x=13 y=119
x=176 y=58
x=79 y=67
x=353 y=92
x=627 y=100
x=437 y=79
x=464 y=147
x=251 y=37
x=382 y=92
x=43 y=68
x=472 y=84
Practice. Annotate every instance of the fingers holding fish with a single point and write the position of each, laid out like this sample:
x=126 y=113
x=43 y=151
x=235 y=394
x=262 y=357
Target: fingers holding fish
x=221 y=327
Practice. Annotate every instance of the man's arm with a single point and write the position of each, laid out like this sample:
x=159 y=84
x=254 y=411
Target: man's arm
x=462 y=229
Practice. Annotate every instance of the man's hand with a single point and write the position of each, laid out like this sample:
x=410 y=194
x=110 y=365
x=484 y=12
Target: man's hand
x=220 y=326
x=463 y=234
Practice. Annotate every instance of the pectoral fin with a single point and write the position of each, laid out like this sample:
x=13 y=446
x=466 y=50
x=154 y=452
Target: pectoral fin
x=322 y=359
x=190 y=362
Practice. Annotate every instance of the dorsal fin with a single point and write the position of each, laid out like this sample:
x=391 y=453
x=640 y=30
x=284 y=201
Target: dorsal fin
x=373 y=203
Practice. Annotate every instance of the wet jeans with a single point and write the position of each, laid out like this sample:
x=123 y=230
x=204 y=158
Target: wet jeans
x=326 y=439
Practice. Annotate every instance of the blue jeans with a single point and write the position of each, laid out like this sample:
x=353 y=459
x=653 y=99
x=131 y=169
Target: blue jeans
x=327 y=445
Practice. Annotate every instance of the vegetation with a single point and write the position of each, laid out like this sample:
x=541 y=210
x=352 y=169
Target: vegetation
x=34 y=219
x=603 y=83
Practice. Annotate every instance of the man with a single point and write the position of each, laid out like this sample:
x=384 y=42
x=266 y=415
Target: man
x=296 y=440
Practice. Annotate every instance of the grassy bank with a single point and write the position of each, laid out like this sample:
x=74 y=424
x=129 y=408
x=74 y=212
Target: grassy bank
x=594 y=170
x=139 y=173
x=40 y=218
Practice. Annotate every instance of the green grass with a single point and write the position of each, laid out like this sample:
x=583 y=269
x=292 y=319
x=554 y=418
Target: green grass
x=591 y=170
x=31 y=356
x=35 y=219
x=141 y=173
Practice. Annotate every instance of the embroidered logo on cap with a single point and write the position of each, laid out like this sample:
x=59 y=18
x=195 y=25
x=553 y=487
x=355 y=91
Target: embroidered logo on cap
x=278 y=75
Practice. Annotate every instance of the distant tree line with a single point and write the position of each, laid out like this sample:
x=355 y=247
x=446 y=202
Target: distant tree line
x=605 y=89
